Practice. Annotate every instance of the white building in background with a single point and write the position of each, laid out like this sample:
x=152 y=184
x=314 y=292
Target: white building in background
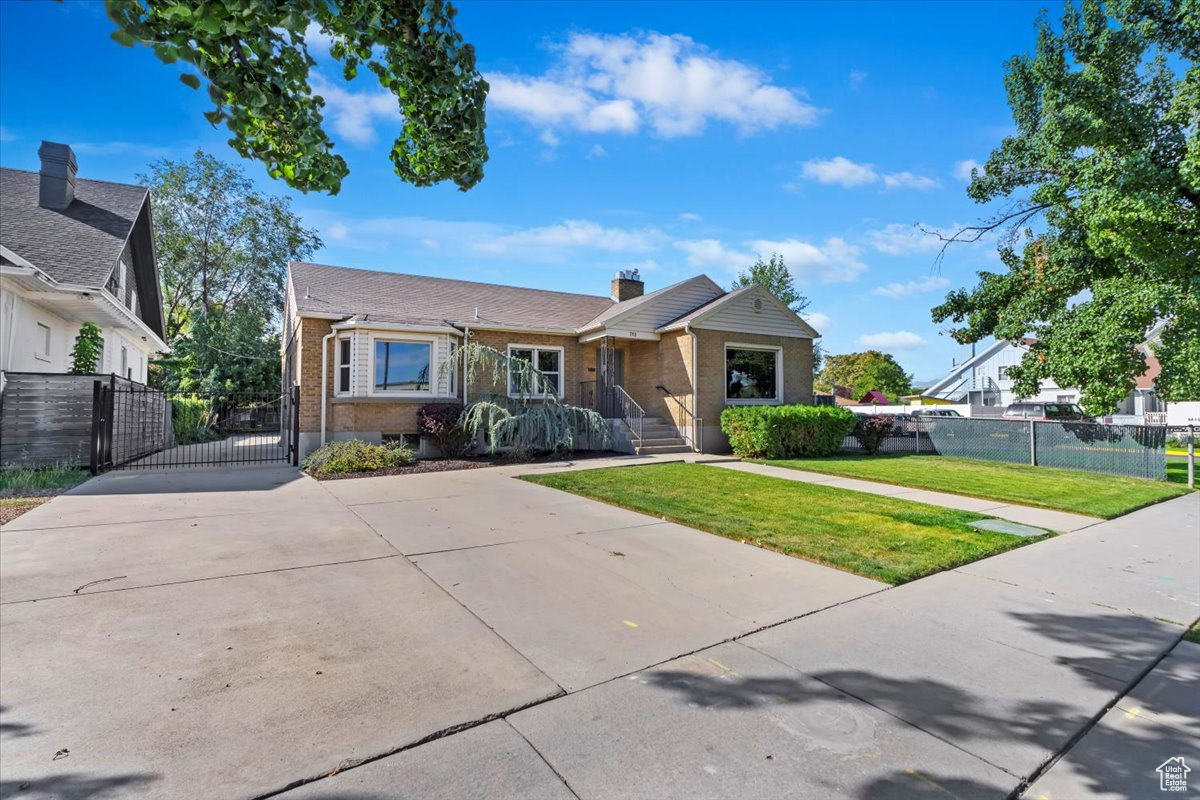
x=74 y=251
x=982 y=382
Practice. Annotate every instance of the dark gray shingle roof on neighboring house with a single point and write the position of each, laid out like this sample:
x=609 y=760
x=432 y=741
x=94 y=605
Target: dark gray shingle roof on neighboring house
x=77 y=245
x=419 y=300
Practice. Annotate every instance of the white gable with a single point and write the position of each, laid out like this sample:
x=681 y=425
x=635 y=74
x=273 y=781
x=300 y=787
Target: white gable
x=754 y=312
x=658 y=311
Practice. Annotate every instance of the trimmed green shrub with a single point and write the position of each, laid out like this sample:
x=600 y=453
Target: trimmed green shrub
x=191 y=418
x=355 y=455
x=786 y=431
x=872 y=429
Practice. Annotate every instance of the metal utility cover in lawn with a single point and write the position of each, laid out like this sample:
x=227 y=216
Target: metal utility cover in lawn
x=1011 y=528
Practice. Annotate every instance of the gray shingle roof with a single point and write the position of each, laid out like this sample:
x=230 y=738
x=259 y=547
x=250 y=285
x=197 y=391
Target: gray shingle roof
x=77 y=245
x=420 y=300
x=636 y=302
x=704 y=309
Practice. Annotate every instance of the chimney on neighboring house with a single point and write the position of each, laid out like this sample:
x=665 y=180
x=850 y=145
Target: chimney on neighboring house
x=57 y=187
x=627 y=285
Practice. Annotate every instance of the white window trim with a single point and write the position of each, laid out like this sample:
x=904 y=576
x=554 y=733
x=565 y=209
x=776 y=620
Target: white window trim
x=338 y=365
x=763 y=401
x=410 y=338
x=562 y=363
x=46 y=340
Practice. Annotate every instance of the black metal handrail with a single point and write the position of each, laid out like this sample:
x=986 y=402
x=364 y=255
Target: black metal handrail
x=689 y=432
x=629 y=411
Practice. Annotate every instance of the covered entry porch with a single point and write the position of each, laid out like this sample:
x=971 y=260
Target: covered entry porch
x=644 y=382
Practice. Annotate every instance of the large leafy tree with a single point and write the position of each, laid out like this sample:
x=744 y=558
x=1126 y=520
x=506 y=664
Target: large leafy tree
x=222 y=249
x=1102 y=222
x=254 y=56
x=776 y=278
x=863 y=372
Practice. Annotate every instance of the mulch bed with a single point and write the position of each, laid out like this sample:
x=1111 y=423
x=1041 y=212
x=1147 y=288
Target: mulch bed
x=451 y=464
x=13 y=507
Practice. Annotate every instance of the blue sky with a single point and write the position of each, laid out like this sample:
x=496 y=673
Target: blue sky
x=673 y=137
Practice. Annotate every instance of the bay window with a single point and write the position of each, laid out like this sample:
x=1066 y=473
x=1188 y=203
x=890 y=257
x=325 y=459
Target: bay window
x=403 y=366
x=753 y=374
x=546 y=360
x=343 y=365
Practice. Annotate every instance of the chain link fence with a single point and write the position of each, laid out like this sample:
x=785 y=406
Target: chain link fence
x=1137 y=451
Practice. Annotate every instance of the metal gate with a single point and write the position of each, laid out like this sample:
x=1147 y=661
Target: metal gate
x=137 y=427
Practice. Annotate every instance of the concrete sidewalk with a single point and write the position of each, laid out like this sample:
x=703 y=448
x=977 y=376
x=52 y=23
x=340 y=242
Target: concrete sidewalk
x=233 y=633
x=1059 y=521
x=1120 y=756
x=965 y=684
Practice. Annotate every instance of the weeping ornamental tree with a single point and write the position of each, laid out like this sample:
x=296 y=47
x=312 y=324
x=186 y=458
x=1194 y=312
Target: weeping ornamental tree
x=521 y=408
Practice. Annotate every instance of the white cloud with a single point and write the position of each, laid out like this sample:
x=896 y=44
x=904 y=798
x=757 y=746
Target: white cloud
x=120 y=149
x=316 y=39
x=555 y=243
x=576 y=233
x=844 y=172
x=688 y=216
x=596 y=151
x=909 y=288
x=839 y=170
x=909 y=180
x=353 y=115
x=891 y=340
x=705 y=253
x=670 y=84
x=549 y=139
x=899 y=240
x=820 y=321
x=962 y=169
x=857 y=78
x=832 y=261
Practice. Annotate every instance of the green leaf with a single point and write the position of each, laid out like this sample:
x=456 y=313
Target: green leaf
x=191 y=80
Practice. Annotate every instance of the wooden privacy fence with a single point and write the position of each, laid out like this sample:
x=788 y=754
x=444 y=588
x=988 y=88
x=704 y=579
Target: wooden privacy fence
x=47 y=419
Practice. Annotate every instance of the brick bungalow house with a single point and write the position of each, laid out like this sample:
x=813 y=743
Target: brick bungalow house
x=661 y=365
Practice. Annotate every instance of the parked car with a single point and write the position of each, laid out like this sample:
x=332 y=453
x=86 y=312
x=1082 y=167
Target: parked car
x=1055 y=412
x=925 y=419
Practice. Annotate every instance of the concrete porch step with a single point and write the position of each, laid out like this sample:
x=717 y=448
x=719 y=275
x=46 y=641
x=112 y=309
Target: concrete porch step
x=672 y=441
x=659 y=431
x=658 y=449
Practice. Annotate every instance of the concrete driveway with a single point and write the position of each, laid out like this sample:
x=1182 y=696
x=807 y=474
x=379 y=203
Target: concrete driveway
x=233 y=633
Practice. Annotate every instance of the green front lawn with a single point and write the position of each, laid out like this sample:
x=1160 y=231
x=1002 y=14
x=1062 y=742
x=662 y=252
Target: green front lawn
x=878 y=537
x=1177 y=471
x=1095 y=494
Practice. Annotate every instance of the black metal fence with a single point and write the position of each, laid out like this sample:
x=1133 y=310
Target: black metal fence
x=1137 y=451
x=136 y=427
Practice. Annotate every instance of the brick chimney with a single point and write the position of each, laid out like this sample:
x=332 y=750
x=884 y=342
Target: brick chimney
x=627 y=285
x=57 y=187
